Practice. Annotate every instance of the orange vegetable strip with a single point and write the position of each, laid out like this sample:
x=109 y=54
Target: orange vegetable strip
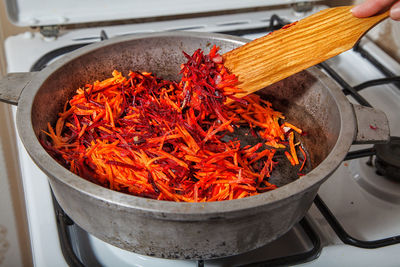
x=192 y=158
x=167 y=155
x=53 y=136
x=290 y=158
x=218 y=129
x=255 y=122
x=291 y=126
x=261 y=155
x=82 y=130
x=188 y=138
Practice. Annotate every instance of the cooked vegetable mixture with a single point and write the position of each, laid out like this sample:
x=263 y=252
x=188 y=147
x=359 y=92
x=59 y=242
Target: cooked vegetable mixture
x=170 y=140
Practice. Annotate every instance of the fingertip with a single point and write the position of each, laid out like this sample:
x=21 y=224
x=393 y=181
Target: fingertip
x=395 y=11
x=362 y=10
x=371 y=7
x=355 y=10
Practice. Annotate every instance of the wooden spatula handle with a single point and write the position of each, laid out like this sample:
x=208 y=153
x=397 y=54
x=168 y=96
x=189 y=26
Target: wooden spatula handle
x=296 y=47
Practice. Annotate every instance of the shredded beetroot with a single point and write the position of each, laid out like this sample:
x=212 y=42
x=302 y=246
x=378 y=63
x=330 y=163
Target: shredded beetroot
x=166 y=140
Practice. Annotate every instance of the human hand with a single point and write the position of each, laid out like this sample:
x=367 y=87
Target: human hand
x=372 y=7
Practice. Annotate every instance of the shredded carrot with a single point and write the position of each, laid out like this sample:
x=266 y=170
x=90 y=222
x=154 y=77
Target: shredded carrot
x=290 y=158
x=287 y=124
x=169 y=140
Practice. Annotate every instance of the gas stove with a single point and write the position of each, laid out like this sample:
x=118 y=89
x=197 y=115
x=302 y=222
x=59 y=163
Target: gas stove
x=355 y=217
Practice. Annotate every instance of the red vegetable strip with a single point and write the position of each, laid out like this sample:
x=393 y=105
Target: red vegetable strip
x=292 y=148
x=305 y=158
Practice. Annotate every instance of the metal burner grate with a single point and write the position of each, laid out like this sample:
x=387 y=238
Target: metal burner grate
x=64 y=223
x=354 y=92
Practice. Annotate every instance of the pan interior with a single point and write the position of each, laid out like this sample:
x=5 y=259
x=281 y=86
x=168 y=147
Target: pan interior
x=302 y=98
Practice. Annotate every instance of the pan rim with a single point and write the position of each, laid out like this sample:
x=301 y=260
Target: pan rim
x=168 y=209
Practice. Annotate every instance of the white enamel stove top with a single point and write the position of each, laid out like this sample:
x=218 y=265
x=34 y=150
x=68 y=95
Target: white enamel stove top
x=364 y=215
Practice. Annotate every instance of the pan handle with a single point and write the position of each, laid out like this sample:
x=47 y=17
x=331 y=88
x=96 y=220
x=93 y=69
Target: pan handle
x=372 y=125
x=12 y=84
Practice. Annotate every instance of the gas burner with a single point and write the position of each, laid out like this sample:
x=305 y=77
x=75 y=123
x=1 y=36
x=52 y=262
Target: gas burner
x=387 y=161
x=370 y=177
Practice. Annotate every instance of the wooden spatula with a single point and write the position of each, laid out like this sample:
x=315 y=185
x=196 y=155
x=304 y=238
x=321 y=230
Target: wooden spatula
x=296 y=47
